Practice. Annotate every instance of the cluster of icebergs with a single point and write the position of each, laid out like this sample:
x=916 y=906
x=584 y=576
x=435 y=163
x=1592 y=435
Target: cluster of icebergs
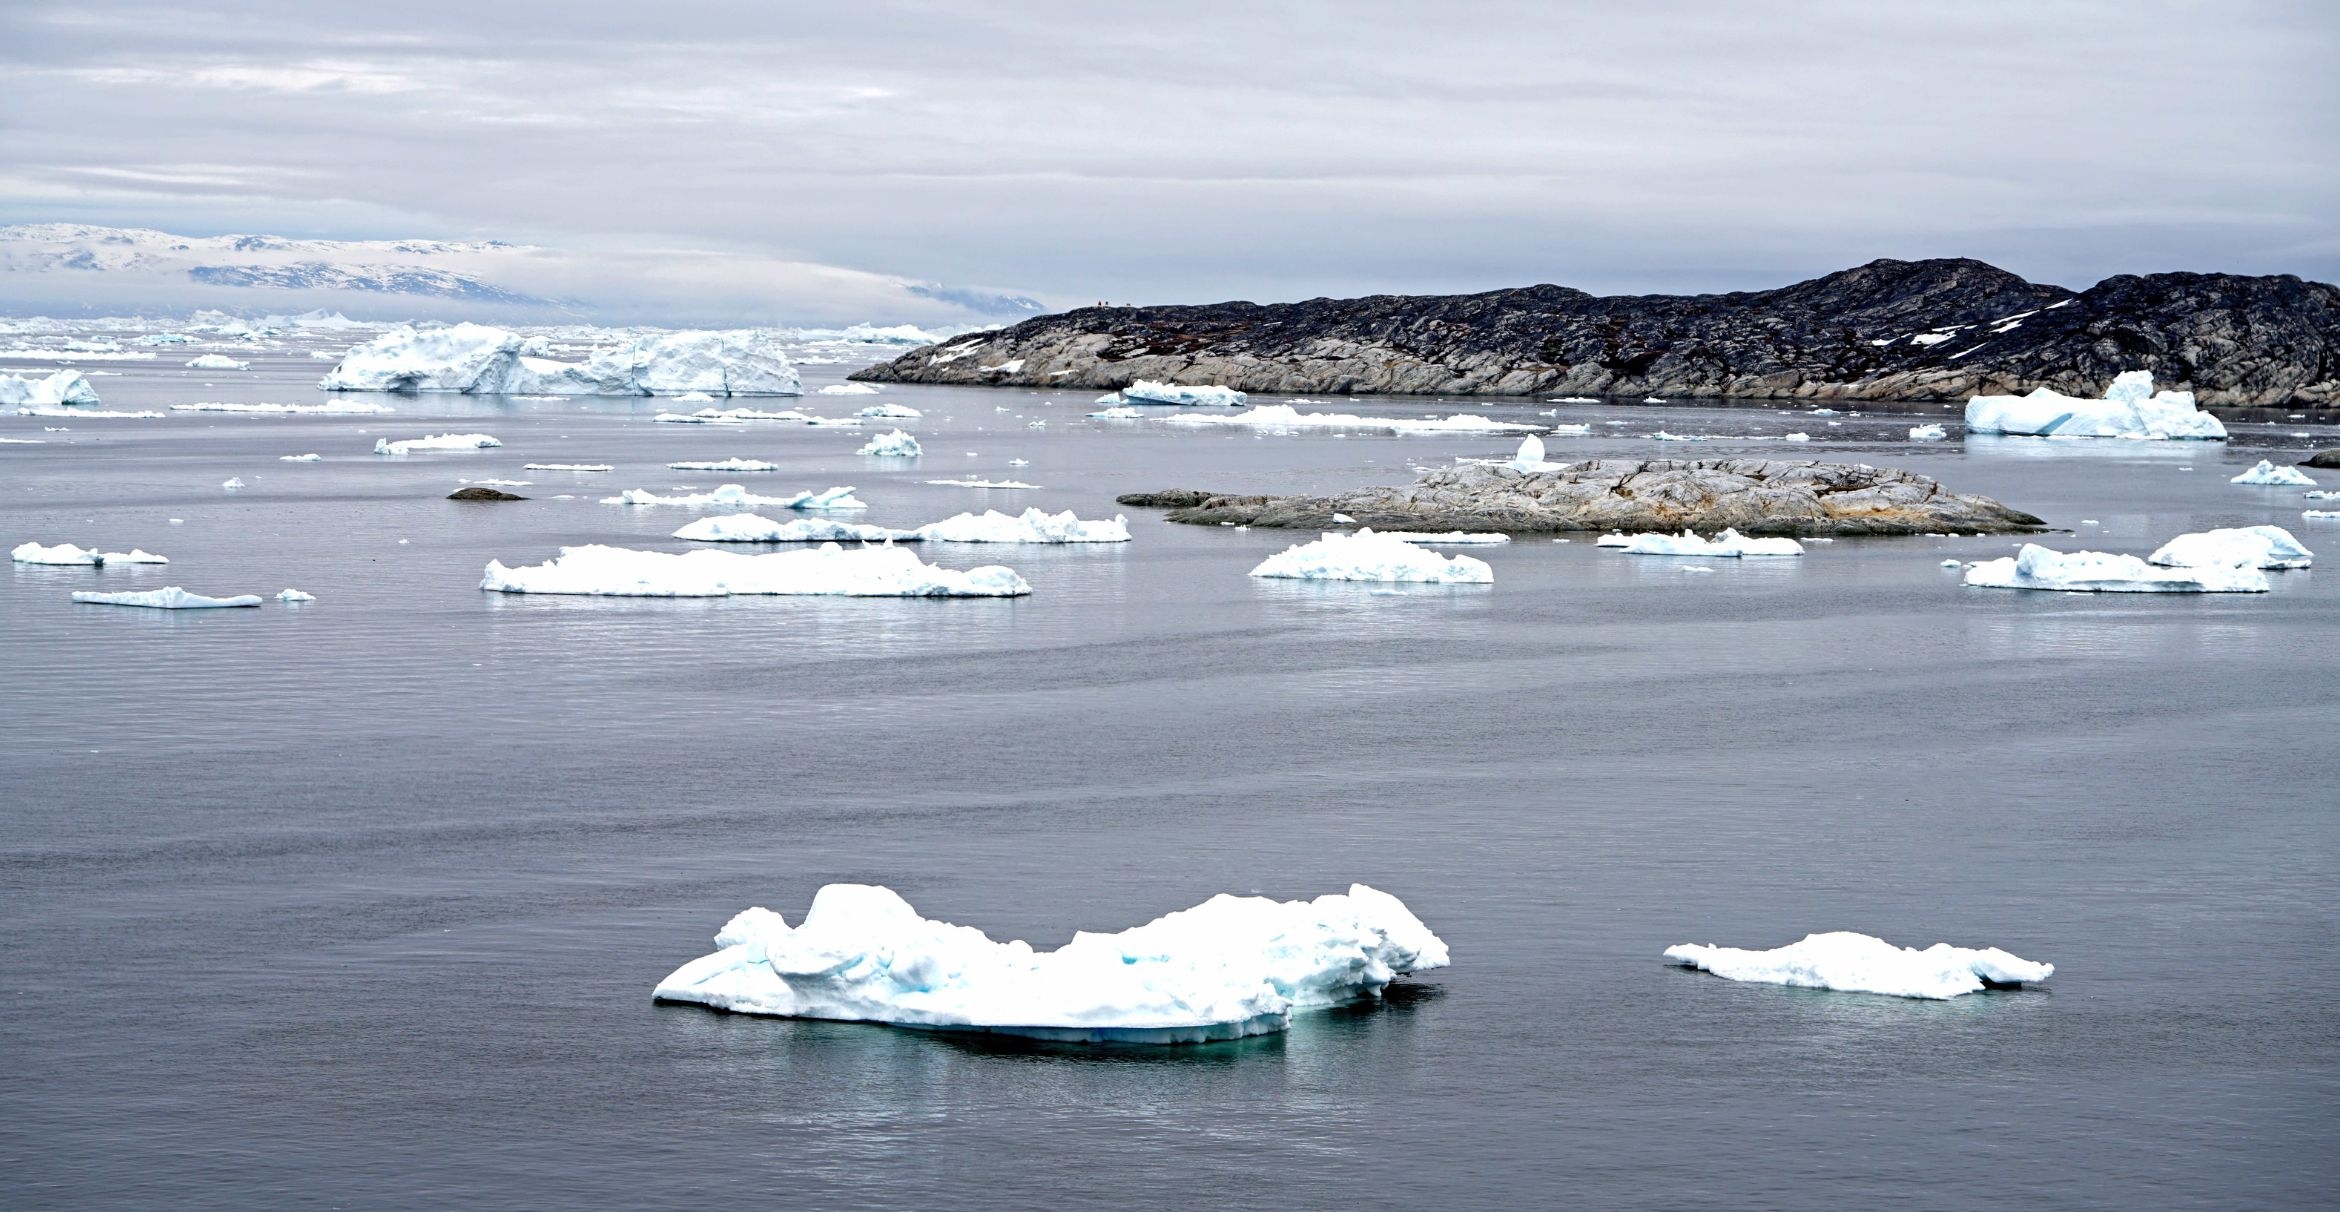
x=2230 y=560
x=170 y=597
x=66 y=554
x=1230 y=967
x=2130 y=409
x=736 y=496
x=475 y=359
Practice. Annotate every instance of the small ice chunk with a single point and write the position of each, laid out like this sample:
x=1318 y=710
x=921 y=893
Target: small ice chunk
x=1730 y=544
x=1367 y=556
x=2036 y=567
x=2234 y=547
x=2267 y=473
x=1118 y=412
x=754 y=528
x=1146 y=391
x=732 y=464
x=893 y=444
x=216 y=362
x=301 y=458
x=1861 y=963
x=170 y=597
x=232 y=484
x=295 y=595
x=444 y=441
x=1927 y=433
x=1953 y=564
x=567 y=467
x=1530 y=456
x=897 y=412
x=1457 y=538
x=1797 y=437
x=850 y=389
x=1344 y=519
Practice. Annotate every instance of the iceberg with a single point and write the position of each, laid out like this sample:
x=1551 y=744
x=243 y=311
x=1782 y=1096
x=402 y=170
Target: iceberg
x=893 y=444
x=754 y=528
x=2268 y=474
x=981 y=483
x=232 y=483
x=567 y=467
x=479 y=360
x=848 y=389
x=1283 y=418
x=1530 y=457
x=1030 y=526
x=2037 y=567
x=1146 y=391
x=1796 y=437
x=1614 y=540
x=731 y=464
x=1367 y=556
x=705 y=573
x=1729 y=545
x=170 y=597
x=216 y=362
x=444 y=441
x=1860 y=963
x=311 y=457
x=344 y=408
x=1927 y=433
x=88 y=414
x=1118 y=412
x=65 y=387
x=68 y=554
x=2234 y=547
x=2130 y=409
x=896 y=412
x=736 y=496
x=295 y=595
x=1230 y=967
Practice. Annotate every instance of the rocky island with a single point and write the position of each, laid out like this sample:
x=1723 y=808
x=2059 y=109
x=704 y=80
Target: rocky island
x=1888 y=330
x=1794 y=497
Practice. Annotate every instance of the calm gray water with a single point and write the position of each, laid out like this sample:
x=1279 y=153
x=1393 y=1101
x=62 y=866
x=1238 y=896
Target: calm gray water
x=359 y=904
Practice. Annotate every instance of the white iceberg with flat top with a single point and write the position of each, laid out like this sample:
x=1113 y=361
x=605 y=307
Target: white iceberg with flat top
x=66 y=554
x=2269 y=475
x=2130 y=409
x=1859 y=963
x=731 y=464
x=443 y=441
x=2037 y=567
x=170 y=597
x=215 y=362
x=1030 y=526
x=1369 y=556
x=1147 y=391
x=2234 y=547
x=1232 y=966
x=1283 y=418
x=899 y=412
x=1729 y=545
x=894 y=444
x=734 y=496
x=62 y=388
x=828 y=570
x=475 y=359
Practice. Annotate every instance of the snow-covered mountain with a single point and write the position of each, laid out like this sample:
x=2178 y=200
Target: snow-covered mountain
x=81 y=269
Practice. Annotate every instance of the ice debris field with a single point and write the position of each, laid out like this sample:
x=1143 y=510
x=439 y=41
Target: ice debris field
x=1230 y=967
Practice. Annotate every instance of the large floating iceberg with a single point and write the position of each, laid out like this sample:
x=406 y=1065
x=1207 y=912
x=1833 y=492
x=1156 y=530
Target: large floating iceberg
x=735 y=496
x=1367 y=556
x=2269 y=475
x=2130 y=409
x=170 y=597
x=1230 y=967
x=478 y=360
x=1284 y=418
x=2234 y=547
x=443 y=441
x=2037 y=567
x=865 y=572
x=1729 y=545
x=1146 y=391
x=65 y=387
x=70 y=555
x=893 y=444
x=1859 y=963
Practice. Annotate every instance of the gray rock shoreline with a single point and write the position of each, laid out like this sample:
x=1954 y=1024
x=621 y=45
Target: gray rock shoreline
x=1799 y=498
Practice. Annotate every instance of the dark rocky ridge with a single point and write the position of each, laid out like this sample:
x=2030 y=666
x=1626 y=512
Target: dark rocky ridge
x=1798 y=497
x=2232 y=340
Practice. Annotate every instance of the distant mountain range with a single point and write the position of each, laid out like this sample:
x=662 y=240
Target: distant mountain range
x=78 y=269
x=1935 y=329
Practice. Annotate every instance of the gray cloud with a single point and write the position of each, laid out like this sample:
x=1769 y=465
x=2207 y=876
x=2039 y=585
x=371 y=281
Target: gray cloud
x=1210 y=150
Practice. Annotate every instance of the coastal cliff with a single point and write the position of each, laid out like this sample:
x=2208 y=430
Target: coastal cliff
x=1888 y=330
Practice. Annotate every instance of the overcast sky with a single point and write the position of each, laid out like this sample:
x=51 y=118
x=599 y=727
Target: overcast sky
x=1204 y=150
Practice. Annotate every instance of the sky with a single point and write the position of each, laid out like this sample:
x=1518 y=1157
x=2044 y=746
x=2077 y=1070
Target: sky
x=1199 y=151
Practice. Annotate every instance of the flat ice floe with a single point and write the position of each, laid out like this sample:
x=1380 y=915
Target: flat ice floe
x=2234 y=547
x=64 y=387
x=444 y=441
x=1147 y=391
x=848 y=389
x=828 y=570
x=737 y=416
x=291 y=595
x=1118 y=412
x=311 y=457
x=170 y=597
x=730 y=496
x=478 y=360
x=990 y=526
x=1927 y=433
x=981 y=483
x=2037 y=567
x=69 y=555
x=893 y=444
x=567 y=467
x=1858 y=963
x=1283 y=418
x=732 y=464
x=1729 y=545
x=1367 y=556
x=2130 y=409
x=1232 y=966
x=331 y=408
x=216 y=362
x=89 y=414
x=898 y=412
x=2268 y=474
